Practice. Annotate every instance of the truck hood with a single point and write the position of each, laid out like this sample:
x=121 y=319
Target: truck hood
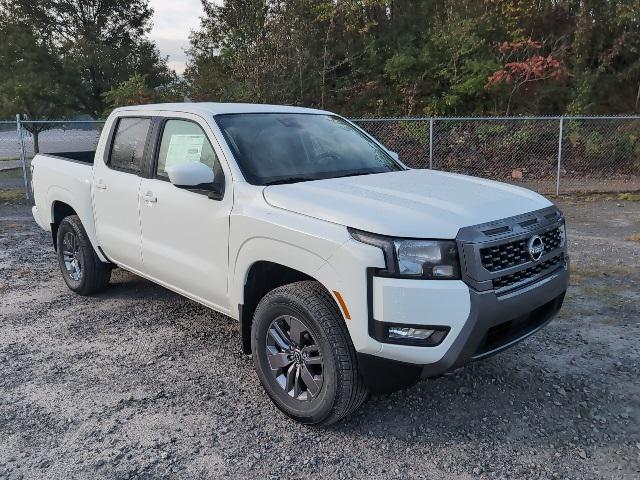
x=411 y=203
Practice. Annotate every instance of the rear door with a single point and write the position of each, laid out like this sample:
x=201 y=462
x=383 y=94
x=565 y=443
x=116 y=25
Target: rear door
x=116 y=191
x=185 y=233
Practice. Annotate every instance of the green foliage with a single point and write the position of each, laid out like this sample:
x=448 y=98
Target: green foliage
x=357 y=57
x=31 y=88
x=76 y=51
x=137 y=91
x=592 y=145
x=424 y=57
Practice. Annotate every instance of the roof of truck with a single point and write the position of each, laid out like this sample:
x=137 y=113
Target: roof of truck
x=210 y=108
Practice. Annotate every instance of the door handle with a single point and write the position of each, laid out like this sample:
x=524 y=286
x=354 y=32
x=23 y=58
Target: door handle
x=149 y=197
x=100 y=185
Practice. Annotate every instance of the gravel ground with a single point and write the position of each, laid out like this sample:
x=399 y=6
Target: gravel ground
x=138 y=382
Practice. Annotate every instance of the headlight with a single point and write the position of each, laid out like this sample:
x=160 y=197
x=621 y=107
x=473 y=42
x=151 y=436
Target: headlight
x=563 y=234
x=431 y=259
x=427 y=258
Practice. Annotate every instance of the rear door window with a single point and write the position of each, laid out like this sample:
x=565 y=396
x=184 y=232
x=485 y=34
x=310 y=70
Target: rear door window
x=127 y=151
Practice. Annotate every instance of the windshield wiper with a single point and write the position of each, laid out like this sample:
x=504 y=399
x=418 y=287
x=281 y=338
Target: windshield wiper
x=355 y=174
x=282 y=181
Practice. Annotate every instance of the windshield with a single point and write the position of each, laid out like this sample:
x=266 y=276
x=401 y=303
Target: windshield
x=273 y=148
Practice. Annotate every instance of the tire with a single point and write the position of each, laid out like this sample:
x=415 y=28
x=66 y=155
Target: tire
x=304 y=314
x=82 y=270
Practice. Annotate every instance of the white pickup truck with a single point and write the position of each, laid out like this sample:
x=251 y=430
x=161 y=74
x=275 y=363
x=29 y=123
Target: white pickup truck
x=347 y=271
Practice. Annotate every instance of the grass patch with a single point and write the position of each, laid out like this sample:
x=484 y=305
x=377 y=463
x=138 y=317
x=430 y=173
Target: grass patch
x=633 y=238
x=11 y=174
x=12 y=195
x=609 y=321
x=584 y=276
x=8 y=159
x=629 y=197
x=598 y=197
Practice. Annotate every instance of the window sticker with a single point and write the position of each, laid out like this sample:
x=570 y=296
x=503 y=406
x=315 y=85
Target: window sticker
x=184 y=148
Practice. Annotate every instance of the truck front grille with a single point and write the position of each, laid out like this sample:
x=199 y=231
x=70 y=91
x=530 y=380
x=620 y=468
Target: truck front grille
x=495 y=255
x=511 y=254
x=527 y=273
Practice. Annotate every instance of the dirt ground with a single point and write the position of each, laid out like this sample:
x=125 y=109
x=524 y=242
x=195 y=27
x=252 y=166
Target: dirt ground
x=138 y=382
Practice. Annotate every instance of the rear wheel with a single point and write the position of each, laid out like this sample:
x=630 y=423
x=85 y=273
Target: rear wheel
x=82 y=270
x=303 y=355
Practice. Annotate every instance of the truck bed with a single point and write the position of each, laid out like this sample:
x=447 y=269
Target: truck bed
x=63 y=177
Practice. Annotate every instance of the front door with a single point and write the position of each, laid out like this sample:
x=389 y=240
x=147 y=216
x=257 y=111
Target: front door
x=185 y=233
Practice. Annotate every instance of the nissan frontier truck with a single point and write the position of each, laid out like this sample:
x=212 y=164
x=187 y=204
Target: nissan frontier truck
x=348 y=272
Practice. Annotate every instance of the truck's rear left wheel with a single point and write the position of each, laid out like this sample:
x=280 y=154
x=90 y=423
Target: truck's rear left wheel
x=303 y=355
x=82 y=270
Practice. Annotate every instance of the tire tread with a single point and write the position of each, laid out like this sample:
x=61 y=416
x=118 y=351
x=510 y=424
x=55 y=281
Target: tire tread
x=97 y=272
x=351 y=391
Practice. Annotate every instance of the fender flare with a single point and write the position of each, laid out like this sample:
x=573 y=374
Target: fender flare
x=85 y=213
x=259 y=249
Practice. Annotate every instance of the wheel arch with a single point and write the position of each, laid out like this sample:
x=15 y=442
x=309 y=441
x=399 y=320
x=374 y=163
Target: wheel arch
x=263 y=276
x=59 y=211
x=62 y=204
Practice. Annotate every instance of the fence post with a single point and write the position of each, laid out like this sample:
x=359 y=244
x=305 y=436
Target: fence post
x=23 y=155
x=561 y=134
x=431 y=143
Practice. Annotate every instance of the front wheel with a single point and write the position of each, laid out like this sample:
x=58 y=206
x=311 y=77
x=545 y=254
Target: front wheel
x=82 y=270
x=303 y=354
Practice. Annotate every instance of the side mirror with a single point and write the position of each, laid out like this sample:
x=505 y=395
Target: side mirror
x=394 y=155
x=190 y=174
x=197 y=177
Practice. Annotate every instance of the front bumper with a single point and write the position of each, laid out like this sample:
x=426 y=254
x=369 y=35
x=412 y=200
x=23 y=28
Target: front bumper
x=499 y=322
x=483 y=325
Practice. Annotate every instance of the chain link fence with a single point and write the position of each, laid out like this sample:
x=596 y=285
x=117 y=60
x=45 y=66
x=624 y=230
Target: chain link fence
x=21 y=139
x=57 y=137
x=13 y=171
x=9 y=141
x=551 y=155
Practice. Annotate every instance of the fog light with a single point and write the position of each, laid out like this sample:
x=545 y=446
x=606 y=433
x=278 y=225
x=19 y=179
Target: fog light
x=404 y=333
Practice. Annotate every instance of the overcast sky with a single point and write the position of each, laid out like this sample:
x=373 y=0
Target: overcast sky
x=172 y=22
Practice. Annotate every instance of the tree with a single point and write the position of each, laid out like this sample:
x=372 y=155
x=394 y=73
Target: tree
x=136 y=91
x=98 y=44
x=421 y=57
x=31 y=89
x=286 y=51
x=523 y=65
x=606 y=57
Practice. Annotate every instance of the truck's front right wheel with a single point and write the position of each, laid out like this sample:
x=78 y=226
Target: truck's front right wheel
x=303 y=354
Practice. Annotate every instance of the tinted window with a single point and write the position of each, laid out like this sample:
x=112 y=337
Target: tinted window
x=128 y=144
x=183 y=141
x=290 y=147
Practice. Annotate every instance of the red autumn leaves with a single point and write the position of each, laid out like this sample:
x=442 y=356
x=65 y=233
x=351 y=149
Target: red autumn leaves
x=525 y=64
